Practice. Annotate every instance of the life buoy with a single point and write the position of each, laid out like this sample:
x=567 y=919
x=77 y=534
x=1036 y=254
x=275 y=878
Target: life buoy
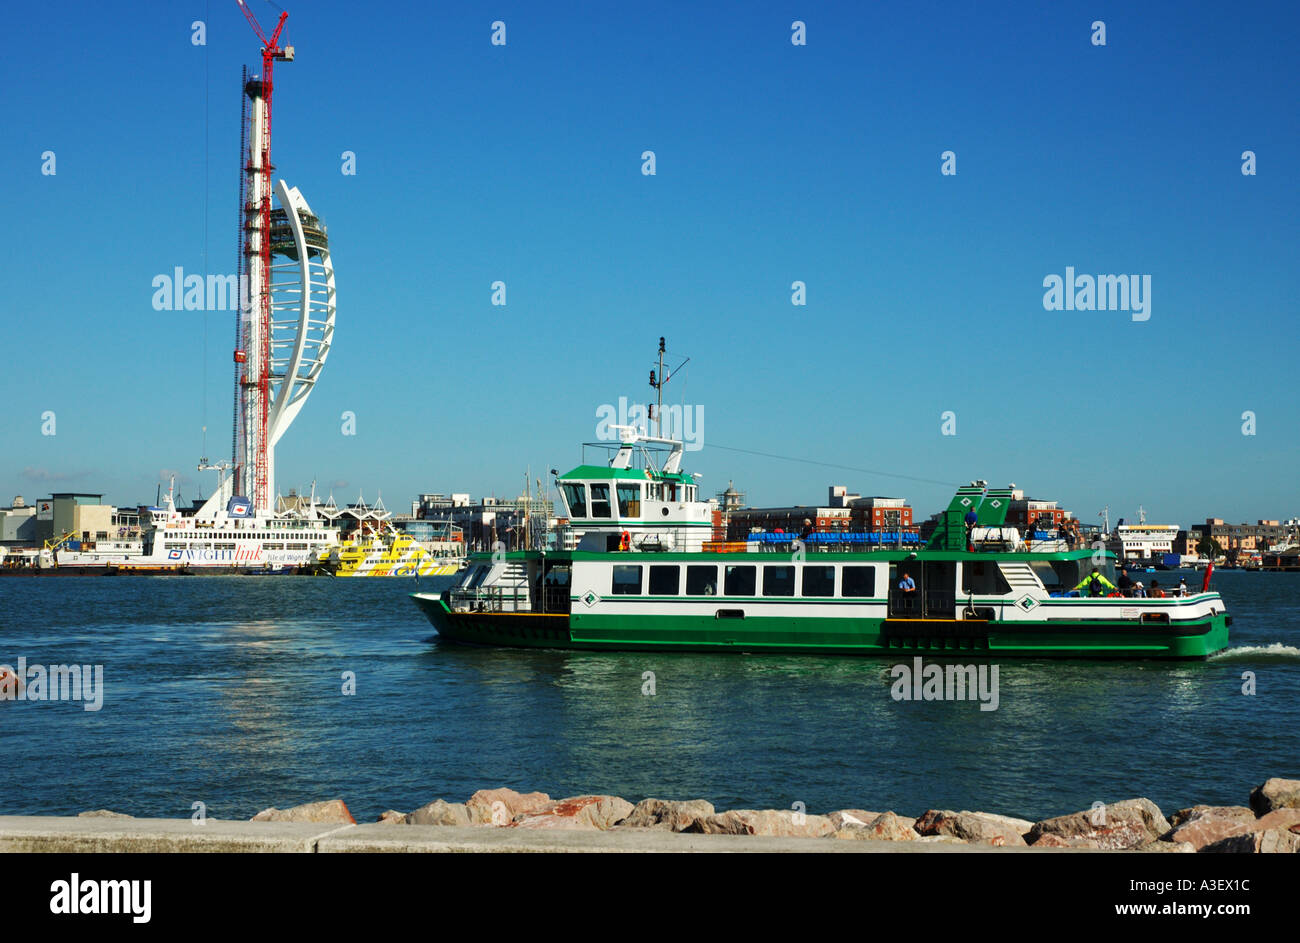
x=625 y=541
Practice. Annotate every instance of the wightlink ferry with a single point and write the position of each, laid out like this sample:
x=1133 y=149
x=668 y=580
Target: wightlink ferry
x=648 y=572
x=225 y=536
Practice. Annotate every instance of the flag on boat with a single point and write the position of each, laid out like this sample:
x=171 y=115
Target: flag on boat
x=239 y=507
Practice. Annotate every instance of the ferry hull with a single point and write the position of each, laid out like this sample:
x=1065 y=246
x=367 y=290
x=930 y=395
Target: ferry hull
x=396 y=570
x=830 y=636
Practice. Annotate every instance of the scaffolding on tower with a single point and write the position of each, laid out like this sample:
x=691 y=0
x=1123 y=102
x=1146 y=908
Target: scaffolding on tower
x=254 y=368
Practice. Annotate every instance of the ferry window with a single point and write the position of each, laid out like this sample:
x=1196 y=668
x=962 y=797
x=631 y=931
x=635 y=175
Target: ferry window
x=778 y=581
x=629 y=500
x=600 y=500
x=859 y=581
x=740 y=581
x=1045 y=571
x=983 y=578
x=701 y=580
x=819 y=581
x=576 y=496
x=664 y=580
x=627 y=581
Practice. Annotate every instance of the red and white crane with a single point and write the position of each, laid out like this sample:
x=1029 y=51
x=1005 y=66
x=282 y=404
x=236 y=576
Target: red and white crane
x=253 y=360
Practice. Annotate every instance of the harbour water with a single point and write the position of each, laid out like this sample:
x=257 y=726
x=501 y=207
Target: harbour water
x=229 y=691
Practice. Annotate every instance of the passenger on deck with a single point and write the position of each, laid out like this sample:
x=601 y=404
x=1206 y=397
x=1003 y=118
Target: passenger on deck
x=1156 y=591
x=907 y=584
x=971 y=519
x=1125 y=583
x=1182 y=587
x=1139 y=590
x=1094 y=583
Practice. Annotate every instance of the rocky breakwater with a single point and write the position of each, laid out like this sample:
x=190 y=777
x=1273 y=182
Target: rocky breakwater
x=1269 y=823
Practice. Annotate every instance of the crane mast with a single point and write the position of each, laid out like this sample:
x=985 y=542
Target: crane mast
x=253 y=359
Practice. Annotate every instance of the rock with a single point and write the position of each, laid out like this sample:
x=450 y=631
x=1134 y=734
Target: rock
x=771 y=822
x=1267 y=841
x=890 y=827
x=1238 y=812
x=392 y=817
x=1205 y=824
x=852 y=818
x=1281 y=818
x=941 y=839
x=1125 y=824
x=439 y=812
x=668 y=814
x=333 y=810
x=982 y=827
x=598 y=812
x=1048 y=840
x=104 y=814
x=1167 y=846
x=1275 y=794
x=500 y=806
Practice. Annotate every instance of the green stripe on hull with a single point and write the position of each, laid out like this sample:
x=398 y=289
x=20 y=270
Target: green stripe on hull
x=1084 y=639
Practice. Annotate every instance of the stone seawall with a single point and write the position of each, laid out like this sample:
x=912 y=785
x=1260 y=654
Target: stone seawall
x=502 y=820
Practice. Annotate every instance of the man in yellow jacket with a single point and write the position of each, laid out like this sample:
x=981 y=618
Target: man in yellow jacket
x=1095 y=583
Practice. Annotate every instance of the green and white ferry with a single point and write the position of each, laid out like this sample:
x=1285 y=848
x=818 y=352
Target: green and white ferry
x=647 y=574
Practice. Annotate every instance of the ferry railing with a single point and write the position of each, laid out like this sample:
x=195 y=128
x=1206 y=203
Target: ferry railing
x=836 y=541
x=492 y=599
x=905 y=605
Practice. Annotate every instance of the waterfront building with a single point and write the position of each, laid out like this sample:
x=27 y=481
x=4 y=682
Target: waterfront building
x=18 y=524
x=1250 y=540
x=489 y=520
x=1042 y=514
x=843 y=511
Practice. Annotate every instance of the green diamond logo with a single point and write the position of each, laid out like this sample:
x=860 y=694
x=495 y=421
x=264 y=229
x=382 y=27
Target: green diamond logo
x=590 y=599
x=1026 y=603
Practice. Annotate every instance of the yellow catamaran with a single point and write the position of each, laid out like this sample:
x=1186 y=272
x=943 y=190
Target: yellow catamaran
x=375 y=545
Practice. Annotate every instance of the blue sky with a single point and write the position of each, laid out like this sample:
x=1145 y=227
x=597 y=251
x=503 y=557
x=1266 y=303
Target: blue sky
x=775 y=163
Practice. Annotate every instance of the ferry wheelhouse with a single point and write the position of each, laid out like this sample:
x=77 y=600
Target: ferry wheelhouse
x=646 y=573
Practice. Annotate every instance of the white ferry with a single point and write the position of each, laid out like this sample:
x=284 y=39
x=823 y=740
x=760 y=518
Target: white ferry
x=220 y=538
